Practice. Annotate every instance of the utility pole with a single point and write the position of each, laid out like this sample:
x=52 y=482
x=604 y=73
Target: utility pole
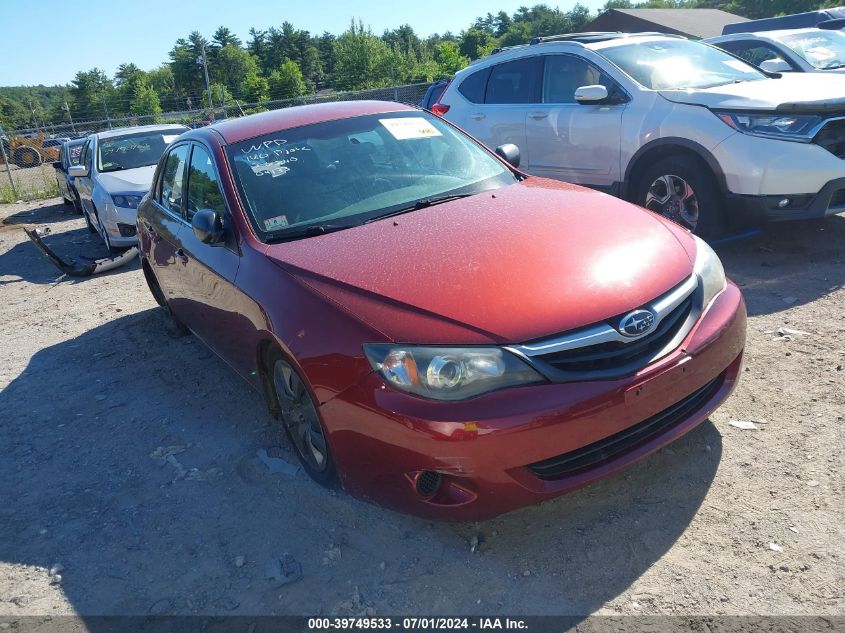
x=66 y=108
x=106 y=108
x=32 y=109
x=202 y=59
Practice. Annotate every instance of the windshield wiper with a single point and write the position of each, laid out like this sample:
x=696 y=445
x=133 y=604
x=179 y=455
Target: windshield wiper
x=306 y=231
x=423 y=203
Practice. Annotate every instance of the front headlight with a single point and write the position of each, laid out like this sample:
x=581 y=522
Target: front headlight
x=449 y=373
x=709 y=269
x=127 y=201
x=787 y=127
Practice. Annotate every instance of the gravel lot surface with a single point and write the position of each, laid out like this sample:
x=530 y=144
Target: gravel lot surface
x=132 y=481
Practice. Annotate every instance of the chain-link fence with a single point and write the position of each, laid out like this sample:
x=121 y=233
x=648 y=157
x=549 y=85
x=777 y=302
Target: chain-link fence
x=27 y=156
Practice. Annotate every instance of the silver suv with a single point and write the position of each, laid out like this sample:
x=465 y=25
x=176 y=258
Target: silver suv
x=680 y=127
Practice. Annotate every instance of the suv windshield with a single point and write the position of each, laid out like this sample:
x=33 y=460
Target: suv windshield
x=825 y=49
x=338 y=174
x=133 y=150
x=679 y=64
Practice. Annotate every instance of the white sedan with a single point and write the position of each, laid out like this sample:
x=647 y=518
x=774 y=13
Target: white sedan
x=115 y=171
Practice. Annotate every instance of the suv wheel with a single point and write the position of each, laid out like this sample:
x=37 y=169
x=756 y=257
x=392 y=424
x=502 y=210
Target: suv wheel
x=681 y=189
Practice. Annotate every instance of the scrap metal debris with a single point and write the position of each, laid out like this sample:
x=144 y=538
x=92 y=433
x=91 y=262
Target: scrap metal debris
x=80 y=266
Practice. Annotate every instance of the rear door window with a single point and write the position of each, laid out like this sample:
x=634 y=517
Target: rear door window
x=171 y=189
x=512 y=82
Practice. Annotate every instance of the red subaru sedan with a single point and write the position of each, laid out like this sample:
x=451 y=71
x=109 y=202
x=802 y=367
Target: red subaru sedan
x=437 y=331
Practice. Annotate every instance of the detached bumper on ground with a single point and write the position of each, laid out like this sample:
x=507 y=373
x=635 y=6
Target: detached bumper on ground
x=516 y=447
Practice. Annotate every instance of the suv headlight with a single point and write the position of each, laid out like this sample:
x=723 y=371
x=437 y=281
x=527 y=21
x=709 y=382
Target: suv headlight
x=449 y=373
x=126 y=201
x=709 y=269
x=787 y=127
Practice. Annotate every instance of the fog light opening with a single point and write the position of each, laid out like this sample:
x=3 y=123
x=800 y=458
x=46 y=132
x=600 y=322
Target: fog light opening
x=428 y=483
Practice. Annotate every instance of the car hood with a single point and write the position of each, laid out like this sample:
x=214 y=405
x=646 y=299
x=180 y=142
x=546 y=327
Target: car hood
x=523 y=262
x=793 y=92
x=127 y=180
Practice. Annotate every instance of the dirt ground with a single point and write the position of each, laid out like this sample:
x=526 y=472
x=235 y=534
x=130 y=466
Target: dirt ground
x=131 y=482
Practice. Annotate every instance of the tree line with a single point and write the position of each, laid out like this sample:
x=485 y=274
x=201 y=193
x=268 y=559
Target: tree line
x=285 y=62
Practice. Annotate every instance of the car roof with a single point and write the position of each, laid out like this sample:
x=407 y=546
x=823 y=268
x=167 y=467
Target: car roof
x=123 y=131
x=237 y=130
x=594 y=41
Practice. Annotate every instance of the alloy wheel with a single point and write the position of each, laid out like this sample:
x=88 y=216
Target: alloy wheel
x=673 y=198
x=299 y=415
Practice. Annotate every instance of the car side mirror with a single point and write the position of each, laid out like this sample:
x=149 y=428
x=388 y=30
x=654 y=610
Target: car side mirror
x=509 y=153
x=78 y=171
x=591 y=94
x=776 y=65
x=208 y=226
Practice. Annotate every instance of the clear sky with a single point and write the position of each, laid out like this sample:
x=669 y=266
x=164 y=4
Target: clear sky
x=39 y=47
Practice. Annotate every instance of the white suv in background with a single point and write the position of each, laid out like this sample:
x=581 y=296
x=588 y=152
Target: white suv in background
x=677 y=126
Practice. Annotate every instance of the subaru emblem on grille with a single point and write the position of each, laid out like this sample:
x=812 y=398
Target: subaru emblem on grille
x=636 y=323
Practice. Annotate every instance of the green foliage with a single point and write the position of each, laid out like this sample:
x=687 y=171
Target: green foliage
x=362 y=60
x=282 y=61
x=255 y=89
x=287 y=82
x=144 y=98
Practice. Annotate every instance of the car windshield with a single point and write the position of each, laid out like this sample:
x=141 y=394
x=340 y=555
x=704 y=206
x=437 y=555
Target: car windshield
x=133 y=150
x=339 y=174
x=679 y=64
x=824 y=49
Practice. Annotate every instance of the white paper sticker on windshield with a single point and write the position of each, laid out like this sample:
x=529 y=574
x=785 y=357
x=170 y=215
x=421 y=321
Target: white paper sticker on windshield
x=169 y=138
x=820 y=52
x=275 y=223
x=409 y=128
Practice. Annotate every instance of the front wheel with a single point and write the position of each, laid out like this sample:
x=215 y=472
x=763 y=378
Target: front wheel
x=302 y=423
x=683 y=190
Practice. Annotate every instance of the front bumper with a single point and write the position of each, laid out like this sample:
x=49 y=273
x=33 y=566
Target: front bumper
x=829 y=200
x=490 y=450
x=112 y=217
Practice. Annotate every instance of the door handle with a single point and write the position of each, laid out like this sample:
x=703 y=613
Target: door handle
x=477 y=116
x=537 y=116
x=180 y=254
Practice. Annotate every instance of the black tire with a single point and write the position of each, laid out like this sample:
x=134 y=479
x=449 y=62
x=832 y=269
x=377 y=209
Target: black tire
x=684 y=190
x=301 y=421
x=67 y=202
x=26 y=157
x=174 y=326
x=77 y=203
x=89 y=224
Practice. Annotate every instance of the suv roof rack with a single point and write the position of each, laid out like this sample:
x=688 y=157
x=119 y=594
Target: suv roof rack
x=502 y=49
x=595 y=36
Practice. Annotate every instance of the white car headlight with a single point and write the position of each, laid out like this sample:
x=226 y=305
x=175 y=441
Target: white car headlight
x=709 y=269
x=126 y=201
x=449 y=373
x=781 y=126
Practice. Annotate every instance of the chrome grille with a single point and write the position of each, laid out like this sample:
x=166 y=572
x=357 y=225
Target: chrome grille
x=601 y=352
